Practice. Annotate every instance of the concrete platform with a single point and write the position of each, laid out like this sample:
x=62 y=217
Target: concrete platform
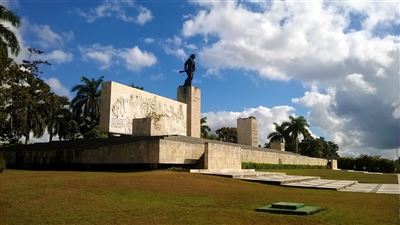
x=236 y=174
x=324 y=184
x=303 y=181
x=279 y=179
x=374 y=188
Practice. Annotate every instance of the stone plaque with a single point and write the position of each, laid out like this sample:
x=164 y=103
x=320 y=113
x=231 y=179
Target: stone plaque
x=120 y=104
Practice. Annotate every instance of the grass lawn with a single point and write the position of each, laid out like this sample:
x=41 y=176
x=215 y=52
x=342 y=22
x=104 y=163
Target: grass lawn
x=167 y=197
x=342 y=175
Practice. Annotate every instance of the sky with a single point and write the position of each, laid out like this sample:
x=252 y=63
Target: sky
x=334 y=62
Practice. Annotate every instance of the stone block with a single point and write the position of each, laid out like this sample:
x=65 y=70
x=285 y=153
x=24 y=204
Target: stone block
x=147 y=127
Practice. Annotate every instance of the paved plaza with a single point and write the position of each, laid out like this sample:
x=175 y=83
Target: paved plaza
x=314 y=182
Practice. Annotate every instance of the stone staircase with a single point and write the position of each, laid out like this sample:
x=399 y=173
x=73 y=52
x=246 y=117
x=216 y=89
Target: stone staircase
x=313 y=182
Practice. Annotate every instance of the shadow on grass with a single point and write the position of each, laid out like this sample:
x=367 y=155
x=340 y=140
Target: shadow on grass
x=114 y=168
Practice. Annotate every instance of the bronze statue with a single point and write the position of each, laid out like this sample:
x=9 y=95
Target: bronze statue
x=190 y=67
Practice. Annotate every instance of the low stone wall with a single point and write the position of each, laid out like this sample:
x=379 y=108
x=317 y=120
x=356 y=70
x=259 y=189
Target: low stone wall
x=250 y=155
x=120 y=152
x=152 y=150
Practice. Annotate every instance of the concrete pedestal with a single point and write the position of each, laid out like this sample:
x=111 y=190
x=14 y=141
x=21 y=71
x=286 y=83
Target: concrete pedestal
x=192 y=97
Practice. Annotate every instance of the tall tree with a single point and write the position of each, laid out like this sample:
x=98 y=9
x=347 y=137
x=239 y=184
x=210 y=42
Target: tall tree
x=296 y=127
x=205 y=129
x=26 y=103
x=8 y=40
x=227 y=134
x=279 y=135
x=86 y=104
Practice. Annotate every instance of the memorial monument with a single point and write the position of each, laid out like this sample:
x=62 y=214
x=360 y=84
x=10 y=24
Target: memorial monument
x=156 y=130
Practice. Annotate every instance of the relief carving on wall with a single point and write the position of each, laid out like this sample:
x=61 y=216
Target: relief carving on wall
x=125 y=109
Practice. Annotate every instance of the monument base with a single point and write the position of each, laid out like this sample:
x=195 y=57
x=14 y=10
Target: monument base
x=160 y=150
x=190 y=95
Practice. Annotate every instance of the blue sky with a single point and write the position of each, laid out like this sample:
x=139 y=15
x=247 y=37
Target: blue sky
x=336 y=63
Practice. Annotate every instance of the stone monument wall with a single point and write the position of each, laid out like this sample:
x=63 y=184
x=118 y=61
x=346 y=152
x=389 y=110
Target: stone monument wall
x=120 y=104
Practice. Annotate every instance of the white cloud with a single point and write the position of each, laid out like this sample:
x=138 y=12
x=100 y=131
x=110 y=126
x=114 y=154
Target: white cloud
x=149 y=40
x=47 y=38
x=285 y=40
x=119 y=9
x=136 y=59
x=265 y=118
x=396 y=110
x=133 y=58
x=9 y=3
x=173 y=46
x=57 y=56
x=101 y=54
x=144 y=16
x=357 y=81
x=57 y=87
x=177 y=47
x=352 y=73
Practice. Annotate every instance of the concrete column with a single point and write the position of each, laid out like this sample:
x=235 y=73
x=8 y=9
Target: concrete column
x=247 y=131
x=192 y=97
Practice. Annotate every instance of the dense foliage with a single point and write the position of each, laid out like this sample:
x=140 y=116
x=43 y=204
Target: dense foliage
x=289 y=132
x=227 y=134
x=367 y=163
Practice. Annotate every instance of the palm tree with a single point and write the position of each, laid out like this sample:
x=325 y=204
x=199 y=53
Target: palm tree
x=296 y=127
x=65 y=126
x=55 y=104
x=278 y=135
x=205 y=130
x=8 y=40
x=86 y=103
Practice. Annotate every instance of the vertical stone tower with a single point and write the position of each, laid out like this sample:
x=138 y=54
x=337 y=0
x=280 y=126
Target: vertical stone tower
x=192 y=97
x=247 y=131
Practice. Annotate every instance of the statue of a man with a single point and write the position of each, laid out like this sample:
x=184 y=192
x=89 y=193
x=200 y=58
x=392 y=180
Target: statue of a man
x=190 y=67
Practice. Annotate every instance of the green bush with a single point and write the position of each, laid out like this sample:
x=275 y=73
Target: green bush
x=95 y=133
x=2 y=164
x=266 y=166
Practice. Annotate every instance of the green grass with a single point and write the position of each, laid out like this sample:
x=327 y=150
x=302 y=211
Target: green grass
x=342 y=175
x=167 y=197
